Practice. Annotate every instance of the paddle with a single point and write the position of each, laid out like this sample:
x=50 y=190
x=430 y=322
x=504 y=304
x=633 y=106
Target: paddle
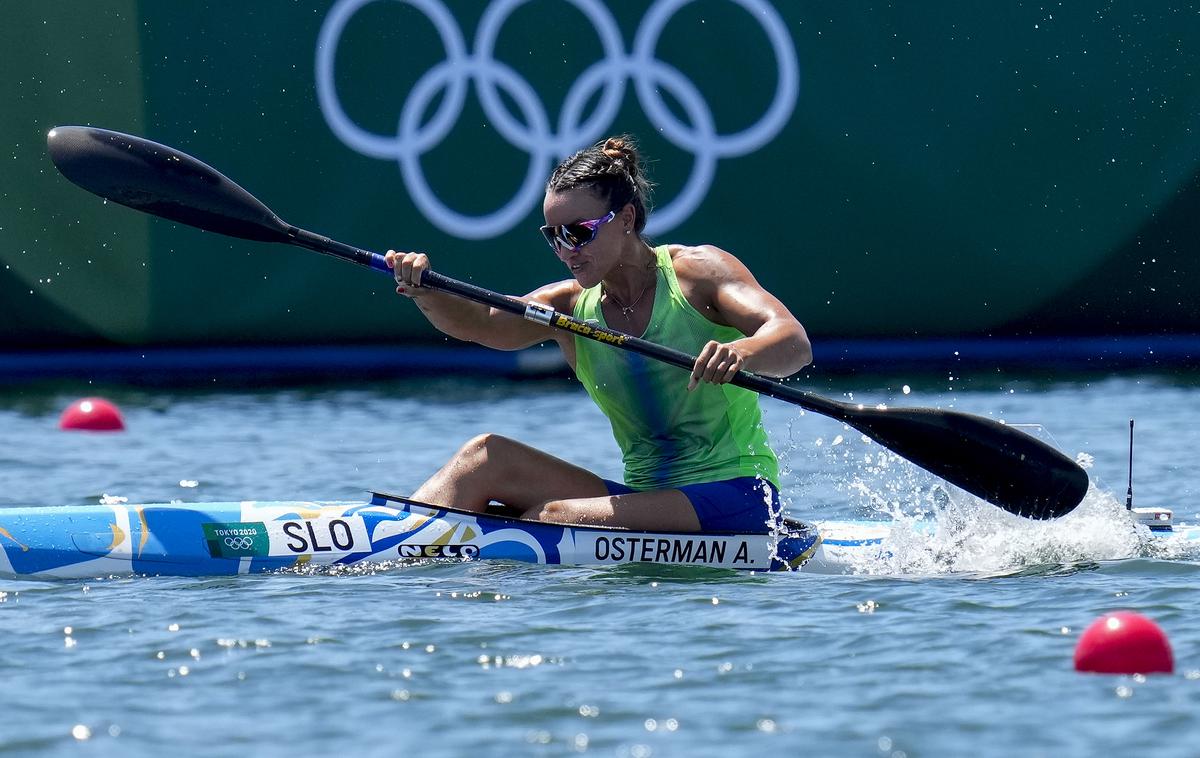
x=1000 y=464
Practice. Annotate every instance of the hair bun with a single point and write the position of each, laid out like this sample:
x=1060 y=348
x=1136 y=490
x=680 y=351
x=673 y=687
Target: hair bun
x=623 y=149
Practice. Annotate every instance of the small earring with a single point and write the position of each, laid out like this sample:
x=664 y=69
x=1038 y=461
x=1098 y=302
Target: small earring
x=627 y=231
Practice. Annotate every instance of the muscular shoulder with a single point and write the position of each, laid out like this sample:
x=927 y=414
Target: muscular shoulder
x=705 y=263
x=702 y=270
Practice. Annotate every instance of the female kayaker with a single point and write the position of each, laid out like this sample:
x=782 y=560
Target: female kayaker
x=695 y=451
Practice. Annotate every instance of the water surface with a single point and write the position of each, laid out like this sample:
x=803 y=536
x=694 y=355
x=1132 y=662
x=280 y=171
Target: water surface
x=959 y=643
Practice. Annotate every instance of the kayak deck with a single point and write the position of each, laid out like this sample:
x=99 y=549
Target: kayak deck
x=210 y=539
x=206 y=539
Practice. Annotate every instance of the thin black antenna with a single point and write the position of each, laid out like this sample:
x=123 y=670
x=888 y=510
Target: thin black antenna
x=1129 y=492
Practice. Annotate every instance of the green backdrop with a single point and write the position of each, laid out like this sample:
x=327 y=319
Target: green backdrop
x=944 y=169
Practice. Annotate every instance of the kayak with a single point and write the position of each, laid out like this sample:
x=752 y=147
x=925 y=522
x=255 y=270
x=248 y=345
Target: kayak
x=212 y=539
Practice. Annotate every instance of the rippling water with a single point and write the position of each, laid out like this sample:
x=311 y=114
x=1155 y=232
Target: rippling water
x=958 y=643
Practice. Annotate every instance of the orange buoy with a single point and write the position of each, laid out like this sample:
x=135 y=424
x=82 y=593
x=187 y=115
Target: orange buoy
x=1124 y=643
x=91 y=414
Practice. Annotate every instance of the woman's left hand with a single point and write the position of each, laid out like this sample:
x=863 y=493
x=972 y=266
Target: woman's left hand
x=717 y=363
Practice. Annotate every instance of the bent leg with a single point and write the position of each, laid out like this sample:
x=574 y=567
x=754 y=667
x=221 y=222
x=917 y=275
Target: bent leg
x=492 y=467
x=666 y=510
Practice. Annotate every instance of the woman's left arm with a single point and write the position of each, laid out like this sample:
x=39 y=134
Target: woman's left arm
x=727 y=293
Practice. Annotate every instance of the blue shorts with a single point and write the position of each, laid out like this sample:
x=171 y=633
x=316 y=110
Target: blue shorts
x=747 y=505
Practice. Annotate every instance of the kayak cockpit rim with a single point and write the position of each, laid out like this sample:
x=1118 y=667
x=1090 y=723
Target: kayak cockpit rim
x=384 y=498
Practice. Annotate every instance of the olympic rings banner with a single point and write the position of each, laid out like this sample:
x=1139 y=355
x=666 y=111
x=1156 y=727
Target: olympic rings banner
x=476 y=66
x=902 y=170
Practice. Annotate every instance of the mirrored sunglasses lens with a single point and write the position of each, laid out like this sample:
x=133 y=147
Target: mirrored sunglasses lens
x=574 y=235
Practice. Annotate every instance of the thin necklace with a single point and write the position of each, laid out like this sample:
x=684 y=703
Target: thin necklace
x=627 y=310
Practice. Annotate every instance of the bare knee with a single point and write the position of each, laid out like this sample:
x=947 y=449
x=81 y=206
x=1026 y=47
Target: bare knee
x=485 y=447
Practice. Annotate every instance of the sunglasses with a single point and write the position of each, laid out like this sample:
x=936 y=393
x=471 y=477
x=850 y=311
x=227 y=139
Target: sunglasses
x=572 y=237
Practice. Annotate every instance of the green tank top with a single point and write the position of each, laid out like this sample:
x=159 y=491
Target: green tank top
x=668 y=436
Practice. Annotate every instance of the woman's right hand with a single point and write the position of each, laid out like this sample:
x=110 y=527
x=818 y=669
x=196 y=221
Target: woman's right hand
x=407 y=268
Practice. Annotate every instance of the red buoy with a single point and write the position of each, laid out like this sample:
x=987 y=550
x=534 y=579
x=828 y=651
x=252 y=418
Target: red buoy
x=92 y=414
x=1124 y=643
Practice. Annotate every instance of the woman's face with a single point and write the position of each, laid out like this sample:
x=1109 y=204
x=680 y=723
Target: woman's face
x=582 y=212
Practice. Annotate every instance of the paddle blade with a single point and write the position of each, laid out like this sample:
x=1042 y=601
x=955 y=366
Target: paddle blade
x=157 y=179
x=998 y=463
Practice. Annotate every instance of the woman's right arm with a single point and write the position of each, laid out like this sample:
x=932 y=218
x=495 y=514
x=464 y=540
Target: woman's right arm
x=474 y=322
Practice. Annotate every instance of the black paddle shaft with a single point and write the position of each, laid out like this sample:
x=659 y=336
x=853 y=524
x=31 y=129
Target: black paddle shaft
x=998 y=463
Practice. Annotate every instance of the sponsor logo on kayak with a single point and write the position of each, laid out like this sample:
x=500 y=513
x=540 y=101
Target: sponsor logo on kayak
x=463 y=552
x=713 y=551
x=237 y=540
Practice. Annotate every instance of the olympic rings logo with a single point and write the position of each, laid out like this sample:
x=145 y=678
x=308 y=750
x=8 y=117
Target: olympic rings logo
x=239 y=543
x=544 y=144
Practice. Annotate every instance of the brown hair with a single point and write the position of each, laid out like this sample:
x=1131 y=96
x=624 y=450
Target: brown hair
x=613 y=170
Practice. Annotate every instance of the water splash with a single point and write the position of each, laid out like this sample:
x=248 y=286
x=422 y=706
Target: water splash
x=938 y=529
x=965 y=535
